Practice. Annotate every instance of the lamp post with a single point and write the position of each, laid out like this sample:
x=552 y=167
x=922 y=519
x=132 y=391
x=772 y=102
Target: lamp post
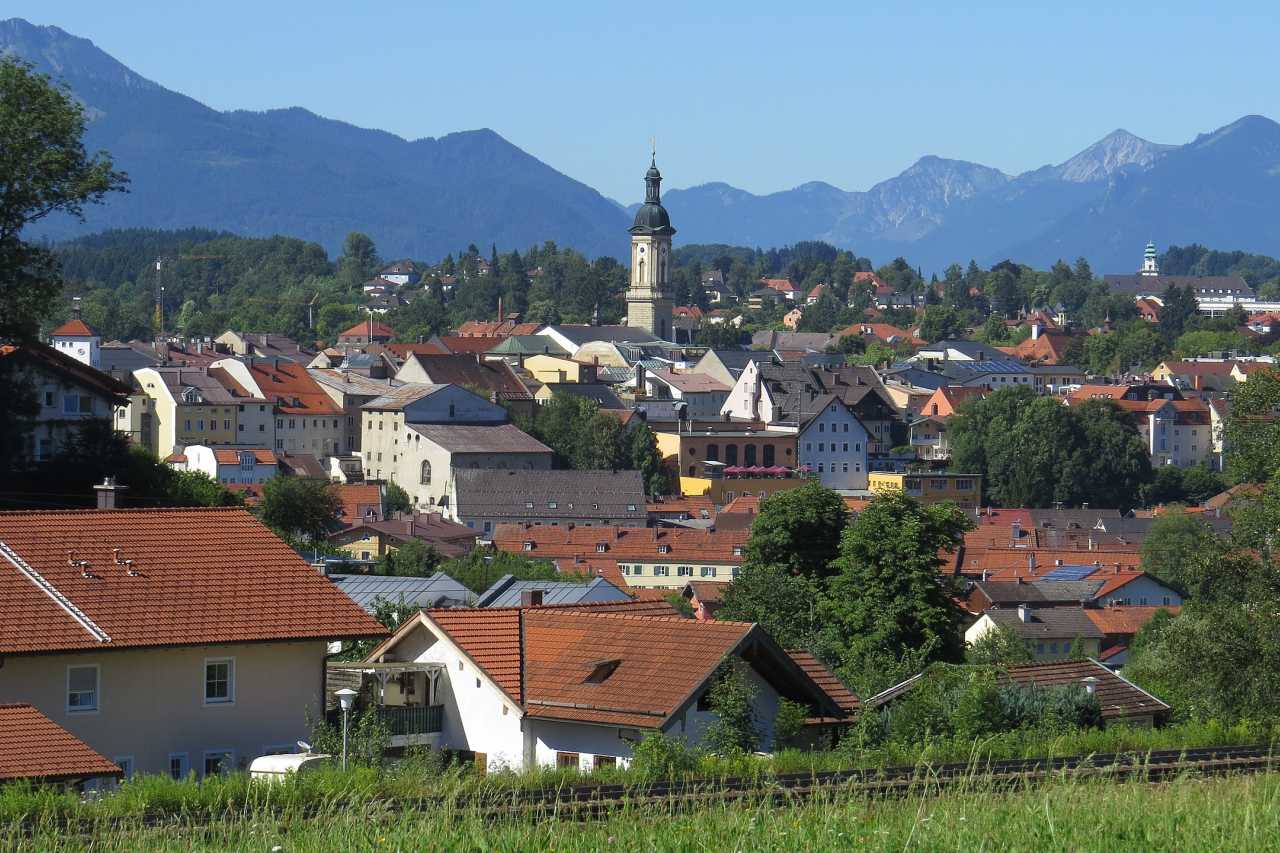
x=346 y=698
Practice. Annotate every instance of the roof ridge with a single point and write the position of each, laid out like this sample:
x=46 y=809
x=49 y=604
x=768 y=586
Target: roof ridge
x=139 y=509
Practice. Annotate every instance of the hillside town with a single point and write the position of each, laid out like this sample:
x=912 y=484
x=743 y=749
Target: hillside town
x=321 y=553
x=620 y=605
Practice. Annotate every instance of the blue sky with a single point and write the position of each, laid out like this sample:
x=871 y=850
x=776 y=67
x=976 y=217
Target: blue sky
x=762 y=96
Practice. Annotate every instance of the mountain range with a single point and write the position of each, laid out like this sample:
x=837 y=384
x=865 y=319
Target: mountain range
x=292 y=172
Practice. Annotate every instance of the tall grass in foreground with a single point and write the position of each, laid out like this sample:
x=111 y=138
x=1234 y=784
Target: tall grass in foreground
x=421 y=783
x=1241 y=813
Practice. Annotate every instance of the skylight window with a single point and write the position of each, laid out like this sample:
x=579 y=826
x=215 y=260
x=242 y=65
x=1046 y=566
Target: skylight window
x=601 y=670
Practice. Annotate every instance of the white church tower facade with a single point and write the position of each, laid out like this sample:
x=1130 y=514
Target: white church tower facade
x=1149 y=264
x=649 y=296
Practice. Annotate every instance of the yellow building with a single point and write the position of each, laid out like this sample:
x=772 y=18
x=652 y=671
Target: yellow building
x=963 y=490
x=687 y=452
x=554 y=369
x=189 y=407
x=722 y=490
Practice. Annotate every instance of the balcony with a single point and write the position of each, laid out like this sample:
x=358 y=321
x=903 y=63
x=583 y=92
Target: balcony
x=411 y=719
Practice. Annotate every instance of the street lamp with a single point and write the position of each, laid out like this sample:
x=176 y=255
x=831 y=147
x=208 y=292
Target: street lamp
x=346 y=698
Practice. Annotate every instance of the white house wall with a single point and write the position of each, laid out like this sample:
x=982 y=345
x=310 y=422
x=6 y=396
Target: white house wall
x=823 y=444
x=551 y=736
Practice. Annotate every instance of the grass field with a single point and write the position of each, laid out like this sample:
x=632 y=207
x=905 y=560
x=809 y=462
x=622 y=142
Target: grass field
x=1241 y=813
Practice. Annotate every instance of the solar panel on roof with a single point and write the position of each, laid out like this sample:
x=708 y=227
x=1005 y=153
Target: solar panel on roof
x=1070 y=573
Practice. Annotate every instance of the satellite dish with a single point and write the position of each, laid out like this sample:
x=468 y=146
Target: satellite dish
x=304 y=746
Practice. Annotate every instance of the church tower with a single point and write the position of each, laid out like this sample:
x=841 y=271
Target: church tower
x=1149 y=265
x=649 y=296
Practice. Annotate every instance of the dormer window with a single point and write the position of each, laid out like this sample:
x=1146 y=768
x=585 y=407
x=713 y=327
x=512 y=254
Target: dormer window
x=528 y=504
x=601 y=547
x=528 y=545
x=664 y=549
x=737 y=550
x=601 y=670
x=552 y=505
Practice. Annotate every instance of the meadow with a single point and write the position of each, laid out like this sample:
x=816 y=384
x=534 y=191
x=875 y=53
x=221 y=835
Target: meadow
x=1188 y=814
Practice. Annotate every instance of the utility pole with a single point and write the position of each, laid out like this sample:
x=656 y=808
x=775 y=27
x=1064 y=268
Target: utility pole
x=159 y=313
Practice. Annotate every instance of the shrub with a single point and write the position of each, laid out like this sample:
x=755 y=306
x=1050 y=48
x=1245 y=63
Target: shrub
x=658 y=756
x=788 y=724
x=367 y=738
x=732 y=698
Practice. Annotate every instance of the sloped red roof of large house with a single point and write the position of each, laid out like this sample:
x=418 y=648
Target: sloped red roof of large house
x=1126 y=619
x=361 y=330
x=826 y=679
x=292 y=389
x=355 y=499
x=197 y=577
x=231 y=455
x=32 y=746
x=1049 y=348
x=782 y=285
x=623 y=543
x=74 y=328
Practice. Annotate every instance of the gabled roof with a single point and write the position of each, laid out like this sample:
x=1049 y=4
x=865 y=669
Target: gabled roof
x=231 y=455
x=292 y=388
x=470 y=372
x=199 y=577
x=396 y=399
x=682 y=546
x=32 y=746
x=74 y=328
x=689 y=383
x=465 y=438
x=361 y=330
x=1126 y=619
x=1119 y=697
x=438 y=590
x=565 y=494
x=579 y=335
x=600 y=394
x=826 y=679
x=76 y=372
x=1047 y=623
x=506 y=591
x=356 y=499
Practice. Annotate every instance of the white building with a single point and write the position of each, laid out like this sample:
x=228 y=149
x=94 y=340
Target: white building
x=78 y=339
x=834 y=444
x=232 y=465
x=524 y=687
x=417 y=435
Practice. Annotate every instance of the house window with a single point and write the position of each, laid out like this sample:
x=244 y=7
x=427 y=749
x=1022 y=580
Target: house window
x=846 y=447
x=601 y=547
x=426 y=473
x=219 y=681
x=822 y=427
x=218 y=761
x=76 y=404
x=631 y=507
x=768 y=456
x=567 y=760
x=737 y=550
x=713 y=453
x=82 y=689
x=601 y=761
x=964 y=485
x=708 y=571
x=186 y=425
x=125 y=763
x=48 y=398
x=179 y=765
x=664 y=549
x=684 y=571
x=528 y=546
x=661 y=571
x=200 y=426
x=552 y=505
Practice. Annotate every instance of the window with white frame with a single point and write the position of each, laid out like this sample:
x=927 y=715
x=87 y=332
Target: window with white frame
x=684 y=571
x=179 y=765
x=708 y=571
x=661 y=571
x=218 y=761
x=219 y=681
x=125 y=763
x=82 y=689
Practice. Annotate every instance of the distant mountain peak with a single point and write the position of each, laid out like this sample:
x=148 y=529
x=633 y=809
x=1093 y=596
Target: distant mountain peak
x=1118 y=150
x=1245 y=127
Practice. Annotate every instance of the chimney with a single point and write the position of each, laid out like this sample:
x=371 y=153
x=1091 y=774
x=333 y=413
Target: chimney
x=1035 y=331
x=1024 y=613
x=531 y=597
x=107 y=493
x=1016 y=531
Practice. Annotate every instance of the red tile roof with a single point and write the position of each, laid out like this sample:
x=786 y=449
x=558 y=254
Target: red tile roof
x=402 y=351
x=826 y=679
x=490 y=637
x=1118 y=697
x=32 y=746
x=75 y=328
x=292 y=389
x=623 y=543
x=1049 y=348
x=356 y=498
x=231 y=455
x=201 y=576
x=361 y=330
x=782 y=285
x=1125 y=619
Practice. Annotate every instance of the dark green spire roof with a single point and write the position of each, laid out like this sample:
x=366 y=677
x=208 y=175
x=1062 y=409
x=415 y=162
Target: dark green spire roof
x=652 y=217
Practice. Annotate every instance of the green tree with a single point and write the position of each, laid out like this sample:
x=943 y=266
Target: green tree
x=1179 y=306
x=300 y=507
x=889 y=604
x=395 y=499
x=731 y=697
x=1251 y=434
x=799 y=530
x=359 y=261
x=44 y=170
x=479 y=569
x=1001 y=645
x=940 y=323
x=412 y=559
x=640 y=448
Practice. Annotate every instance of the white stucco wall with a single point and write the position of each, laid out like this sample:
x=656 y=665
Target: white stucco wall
x=550 y=737
x=476 y=718
x=823 y=443
x=151 y=702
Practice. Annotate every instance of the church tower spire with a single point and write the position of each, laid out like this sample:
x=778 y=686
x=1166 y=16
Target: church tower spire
x=649 y=296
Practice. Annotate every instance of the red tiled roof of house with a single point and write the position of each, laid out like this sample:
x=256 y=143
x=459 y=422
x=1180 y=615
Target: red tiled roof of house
x=860 y=277
x=176 y=457
x=782 y=285
x=1094 y=392
x=1118 y=697
x=292 y=389
x=460 y=346
x=688 y=383
x=495 y=329
x=826 y=679
x=1049 y=348
x=816 y=292
x=74 y=328
x=1125 y=619
x=1116 y=579
x=231 y=455
x=355 y=498
x=361 y=330
x=200 y=577
x=491 y=638
x=623 y=543
x=695 y=506
x=687 y=311
x=32 y=746
x=402 y=351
